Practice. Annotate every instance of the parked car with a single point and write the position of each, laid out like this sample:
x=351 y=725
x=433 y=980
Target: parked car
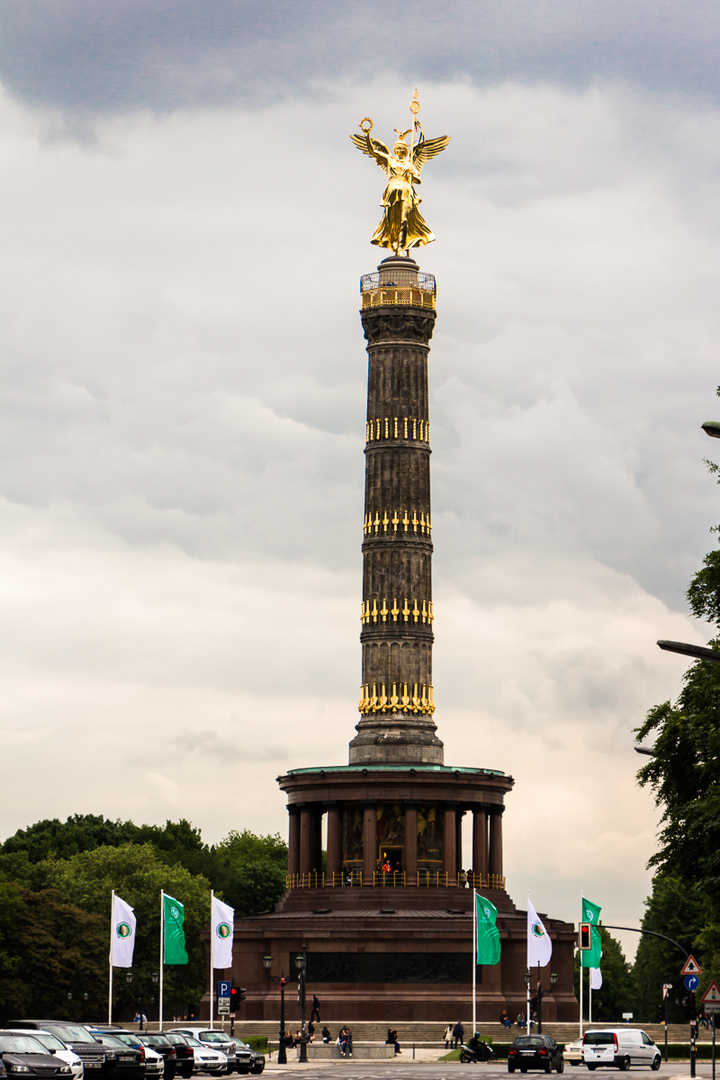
x=572 y=1054
x=24 y=1055
x=98 y=1061
x=129 y=1060
x=242 y=1052
x=162 y=1045
x=53 y=1045
x=207 y=1059
x=214 y=1038
x=154 y=1063
x=184 y=1053
x=535 y=1052
x=620 y=1048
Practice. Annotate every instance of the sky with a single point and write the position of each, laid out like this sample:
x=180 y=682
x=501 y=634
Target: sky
x=182 y=401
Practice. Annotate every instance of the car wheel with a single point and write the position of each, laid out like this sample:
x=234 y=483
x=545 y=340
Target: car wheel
x=523 y=1068
x=592 y=1067
x=561 y=1066
x=624 y=1064
x=548 y=1067
x=655 y=1063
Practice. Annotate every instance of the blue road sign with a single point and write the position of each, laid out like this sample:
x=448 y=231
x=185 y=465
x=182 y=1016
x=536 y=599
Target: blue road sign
x=223 y=988
x=691 y=982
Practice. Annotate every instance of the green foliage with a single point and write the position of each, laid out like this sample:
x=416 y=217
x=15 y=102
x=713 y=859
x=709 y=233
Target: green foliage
x=676 y=909
x=49 y=949
x=250 y=870
x=138 y=874
x=617 y=994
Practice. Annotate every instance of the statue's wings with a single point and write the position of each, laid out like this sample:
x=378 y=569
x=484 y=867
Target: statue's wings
x=373 y=148
x=429 y=148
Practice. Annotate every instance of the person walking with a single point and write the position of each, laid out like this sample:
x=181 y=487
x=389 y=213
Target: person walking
x=458 y=1034
x=315 y=1014
x=448 y=1037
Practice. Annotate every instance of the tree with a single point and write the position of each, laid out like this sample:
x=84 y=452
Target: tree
x=136 y=872
x=49 y=950
x=251 y=871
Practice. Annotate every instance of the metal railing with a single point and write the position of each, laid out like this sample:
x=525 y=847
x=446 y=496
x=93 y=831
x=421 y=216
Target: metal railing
x=401 y=288
x=395 y=879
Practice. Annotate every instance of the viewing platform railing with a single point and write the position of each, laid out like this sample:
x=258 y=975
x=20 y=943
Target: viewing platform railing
x=402 y=288
x=394 y=879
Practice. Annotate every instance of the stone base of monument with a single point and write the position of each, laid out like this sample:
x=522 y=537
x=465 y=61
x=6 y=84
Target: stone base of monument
x=362 y=1051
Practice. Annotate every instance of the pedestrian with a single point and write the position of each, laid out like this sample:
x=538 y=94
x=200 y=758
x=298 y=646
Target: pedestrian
x=448 y=1037
x=315 y=1014
x=392 y=1039
x=458 y=1034
x=505 y=1019
x=345 y=1040
x=325 y=1034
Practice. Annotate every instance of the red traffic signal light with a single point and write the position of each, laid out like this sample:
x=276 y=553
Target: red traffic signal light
x=585 y=935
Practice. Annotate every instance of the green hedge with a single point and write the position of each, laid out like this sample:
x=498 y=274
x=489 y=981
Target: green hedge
x=257 y=1042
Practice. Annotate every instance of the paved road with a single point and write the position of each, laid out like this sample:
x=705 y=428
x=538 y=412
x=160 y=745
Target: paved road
x=413 y=1070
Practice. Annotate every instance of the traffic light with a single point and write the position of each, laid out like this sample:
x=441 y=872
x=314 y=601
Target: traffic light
x=233 y=997
x=585 y=936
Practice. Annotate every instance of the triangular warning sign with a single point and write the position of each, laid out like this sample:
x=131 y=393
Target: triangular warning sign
x=711 y=994
x=691 y=967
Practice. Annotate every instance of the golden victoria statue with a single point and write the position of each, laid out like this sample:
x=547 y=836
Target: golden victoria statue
x=402 y=226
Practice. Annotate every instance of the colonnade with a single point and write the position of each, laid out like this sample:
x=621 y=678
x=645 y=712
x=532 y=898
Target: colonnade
x=305 y=839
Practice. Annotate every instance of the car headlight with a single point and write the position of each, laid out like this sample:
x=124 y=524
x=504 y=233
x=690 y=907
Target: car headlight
x=20 y=1068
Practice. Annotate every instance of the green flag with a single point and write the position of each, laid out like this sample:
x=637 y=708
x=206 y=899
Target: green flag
x=487 y=933
x=590 y=958
x=174 y=913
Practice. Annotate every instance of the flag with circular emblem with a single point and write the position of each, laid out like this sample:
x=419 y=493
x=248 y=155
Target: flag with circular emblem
x=174 y=915
x=487 y=933
x=223 y=923
x=539 y=945
x=590 y=958
x=122 y=934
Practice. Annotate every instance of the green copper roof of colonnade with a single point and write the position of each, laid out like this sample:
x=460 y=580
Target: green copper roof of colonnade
x=448 y=770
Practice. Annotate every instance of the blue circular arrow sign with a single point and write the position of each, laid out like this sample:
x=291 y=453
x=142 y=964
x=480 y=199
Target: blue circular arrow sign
x=691 y=982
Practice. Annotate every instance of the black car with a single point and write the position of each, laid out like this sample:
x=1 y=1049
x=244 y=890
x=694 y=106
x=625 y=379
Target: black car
x=24 y=1055
x=184 y=1053
x=535 y=1052
x=162 y=1045
x=130 y=1061
x=98 y=1061
x=247 y=1059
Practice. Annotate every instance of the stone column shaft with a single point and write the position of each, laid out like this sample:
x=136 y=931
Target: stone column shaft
x=449 y=842
x=411 y=844
x=496 y=851
x=293 y=842
x=334 y=843
x=369 y=843
x=480 y=844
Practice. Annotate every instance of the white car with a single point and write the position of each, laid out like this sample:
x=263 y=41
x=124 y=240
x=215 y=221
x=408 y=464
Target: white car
x=572 y=1054
x=207 y=1059
x=620 y=1048
x=56 y=1046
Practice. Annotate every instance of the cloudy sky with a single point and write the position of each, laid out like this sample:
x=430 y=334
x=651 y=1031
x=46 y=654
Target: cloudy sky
x=182 y=400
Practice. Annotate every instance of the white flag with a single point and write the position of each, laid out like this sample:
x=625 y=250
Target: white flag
x=122 y=933
x=223 y=922
x=539 y=945
x=595 y=978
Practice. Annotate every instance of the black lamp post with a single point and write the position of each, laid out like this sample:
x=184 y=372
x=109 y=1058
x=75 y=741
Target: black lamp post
x=280 y=979
x=154 y=978
x=301 y=965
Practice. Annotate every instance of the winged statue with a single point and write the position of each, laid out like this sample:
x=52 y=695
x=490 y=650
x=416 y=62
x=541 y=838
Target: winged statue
x=402 y=226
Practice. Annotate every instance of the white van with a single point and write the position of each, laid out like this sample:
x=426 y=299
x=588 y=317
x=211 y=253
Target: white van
x=620 y=1047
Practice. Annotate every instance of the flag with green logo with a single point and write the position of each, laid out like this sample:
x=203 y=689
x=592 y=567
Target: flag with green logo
x=590 y=958
x=487 y=934
x=174 y=936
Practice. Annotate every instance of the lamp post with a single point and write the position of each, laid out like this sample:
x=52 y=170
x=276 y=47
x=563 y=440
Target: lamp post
x=301 y=965
x=280 y=979
x=527 y=976
x=154 y=978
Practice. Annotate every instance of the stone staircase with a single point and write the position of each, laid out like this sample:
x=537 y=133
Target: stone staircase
x=429 y=1032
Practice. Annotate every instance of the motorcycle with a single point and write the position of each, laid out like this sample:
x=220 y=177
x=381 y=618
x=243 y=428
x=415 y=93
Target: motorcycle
x=476 y=1051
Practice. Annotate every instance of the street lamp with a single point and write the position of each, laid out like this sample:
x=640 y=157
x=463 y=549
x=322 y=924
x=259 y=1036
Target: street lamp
x=280 y=979
x=301 y=965
x=541 y=995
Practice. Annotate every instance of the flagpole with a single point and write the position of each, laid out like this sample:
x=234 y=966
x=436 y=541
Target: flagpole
x=474 y=966
x=110 y=987
x=589 y=995
x=527 y=965
x=212 y=993
x=580 y=965
x=162 y=958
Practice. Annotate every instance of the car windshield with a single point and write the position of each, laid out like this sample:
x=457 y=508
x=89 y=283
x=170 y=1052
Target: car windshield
x=155 y=1040
x=194 y=1042
x=109 y=1040
x=599 y=1038
x=73 y=1033
x=529 y=1040
x=20 y=1044
x=50 y=1042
